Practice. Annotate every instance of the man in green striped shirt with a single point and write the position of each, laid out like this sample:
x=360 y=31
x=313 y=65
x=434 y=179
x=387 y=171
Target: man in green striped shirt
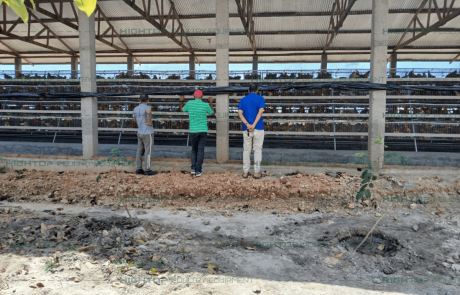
x=197 y=110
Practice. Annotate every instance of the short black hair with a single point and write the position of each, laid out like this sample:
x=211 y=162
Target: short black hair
x=253 y=88
x=144 y=97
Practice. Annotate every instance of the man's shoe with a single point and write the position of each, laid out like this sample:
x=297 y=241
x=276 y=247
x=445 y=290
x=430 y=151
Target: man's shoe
x=139 y=171
x=198 y=174
x=150 y=173
x=246 y=175
x=193 y=172
x=257 y=176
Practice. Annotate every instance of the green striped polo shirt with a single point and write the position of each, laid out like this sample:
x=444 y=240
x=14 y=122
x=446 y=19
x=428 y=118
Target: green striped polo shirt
x=197 y=110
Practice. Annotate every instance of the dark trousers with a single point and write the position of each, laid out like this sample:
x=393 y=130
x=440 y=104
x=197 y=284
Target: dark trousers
x=198 y=142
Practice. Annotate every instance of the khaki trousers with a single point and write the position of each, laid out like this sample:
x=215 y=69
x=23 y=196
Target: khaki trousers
x=253 y=141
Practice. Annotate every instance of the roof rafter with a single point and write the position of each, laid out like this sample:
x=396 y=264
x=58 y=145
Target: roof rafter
x=241 y=33
x=7 y=32
x=162 y=24
x=56 y=18
x=245 y=11
x=100 y=37
x=15 y=53
x=340 y=11
x=458 y=55
x=445 y=16
x=49 y=31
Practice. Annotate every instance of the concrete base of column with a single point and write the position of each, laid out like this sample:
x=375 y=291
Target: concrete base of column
x=222 y=138
x=377 y=105
x=89 y=125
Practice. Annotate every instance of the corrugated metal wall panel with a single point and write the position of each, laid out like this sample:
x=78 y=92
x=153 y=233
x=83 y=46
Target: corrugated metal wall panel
x=291 y=41
x=351 y=40
x=203 y=43
x=119 y=8
x=438 y=38
x=261 y=6
x=292 y=23
x=194 y=7
x=149 y=43
x=22 y=46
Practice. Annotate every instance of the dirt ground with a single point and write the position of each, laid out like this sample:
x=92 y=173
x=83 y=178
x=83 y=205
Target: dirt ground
x=68 y=233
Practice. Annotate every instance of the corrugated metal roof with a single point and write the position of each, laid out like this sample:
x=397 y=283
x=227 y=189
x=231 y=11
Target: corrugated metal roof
x=273 y=33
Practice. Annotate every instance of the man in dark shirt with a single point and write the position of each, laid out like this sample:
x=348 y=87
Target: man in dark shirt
x=250 y=111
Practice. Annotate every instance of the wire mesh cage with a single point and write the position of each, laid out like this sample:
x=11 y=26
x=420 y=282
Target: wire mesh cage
x=40 y=121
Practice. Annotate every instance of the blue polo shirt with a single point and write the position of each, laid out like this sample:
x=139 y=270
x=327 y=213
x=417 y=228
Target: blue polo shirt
x=250 y=105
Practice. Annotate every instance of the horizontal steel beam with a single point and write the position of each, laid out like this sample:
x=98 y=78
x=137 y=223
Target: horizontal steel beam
x=236 y=15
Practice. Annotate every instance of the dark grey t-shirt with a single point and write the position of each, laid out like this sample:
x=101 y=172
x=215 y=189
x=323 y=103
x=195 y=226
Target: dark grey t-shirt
x=141 y=116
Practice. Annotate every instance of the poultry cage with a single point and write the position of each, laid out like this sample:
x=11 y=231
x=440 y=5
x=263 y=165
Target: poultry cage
x=290 y=115
x=40 y=121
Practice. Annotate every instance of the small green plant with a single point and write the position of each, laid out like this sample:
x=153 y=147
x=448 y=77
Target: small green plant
x=49 y=266
x=114 y=158
x=402 y=160
x=379 y=142
x=367 y=181
x=19 y=174
x=367 y=176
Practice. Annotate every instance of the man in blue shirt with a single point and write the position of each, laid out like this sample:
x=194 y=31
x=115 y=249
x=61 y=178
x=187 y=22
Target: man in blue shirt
x=143 y=115
x=250 y=111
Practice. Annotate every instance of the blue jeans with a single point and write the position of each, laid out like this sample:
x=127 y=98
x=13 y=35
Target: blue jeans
x=198 y=142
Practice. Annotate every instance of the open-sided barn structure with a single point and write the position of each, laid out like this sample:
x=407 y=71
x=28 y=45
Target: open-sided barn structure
x=236 y=31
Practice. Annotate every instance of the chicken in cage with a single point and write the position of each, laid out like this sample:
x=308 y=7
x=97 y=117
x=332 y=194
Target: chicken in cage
x=251 y=77
x=67 y=122
x=173 y=77
x=236 y=125
x=26 y=106
x=324 y=75
x=446 y=129
x=74 y=106
x=405 y=109
x=305 y=76
x=115 y=107
x=453 y=74
x=122 y=75
x=130 y=106
x=212 y=124
x=24 y=121
x=356 y=74
x=441 y=110
x=365 y=110
x=271 y=76
x=103 y=107
x=114 y=123
x=6 y=121
x=50 y=122
x=184 y=124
